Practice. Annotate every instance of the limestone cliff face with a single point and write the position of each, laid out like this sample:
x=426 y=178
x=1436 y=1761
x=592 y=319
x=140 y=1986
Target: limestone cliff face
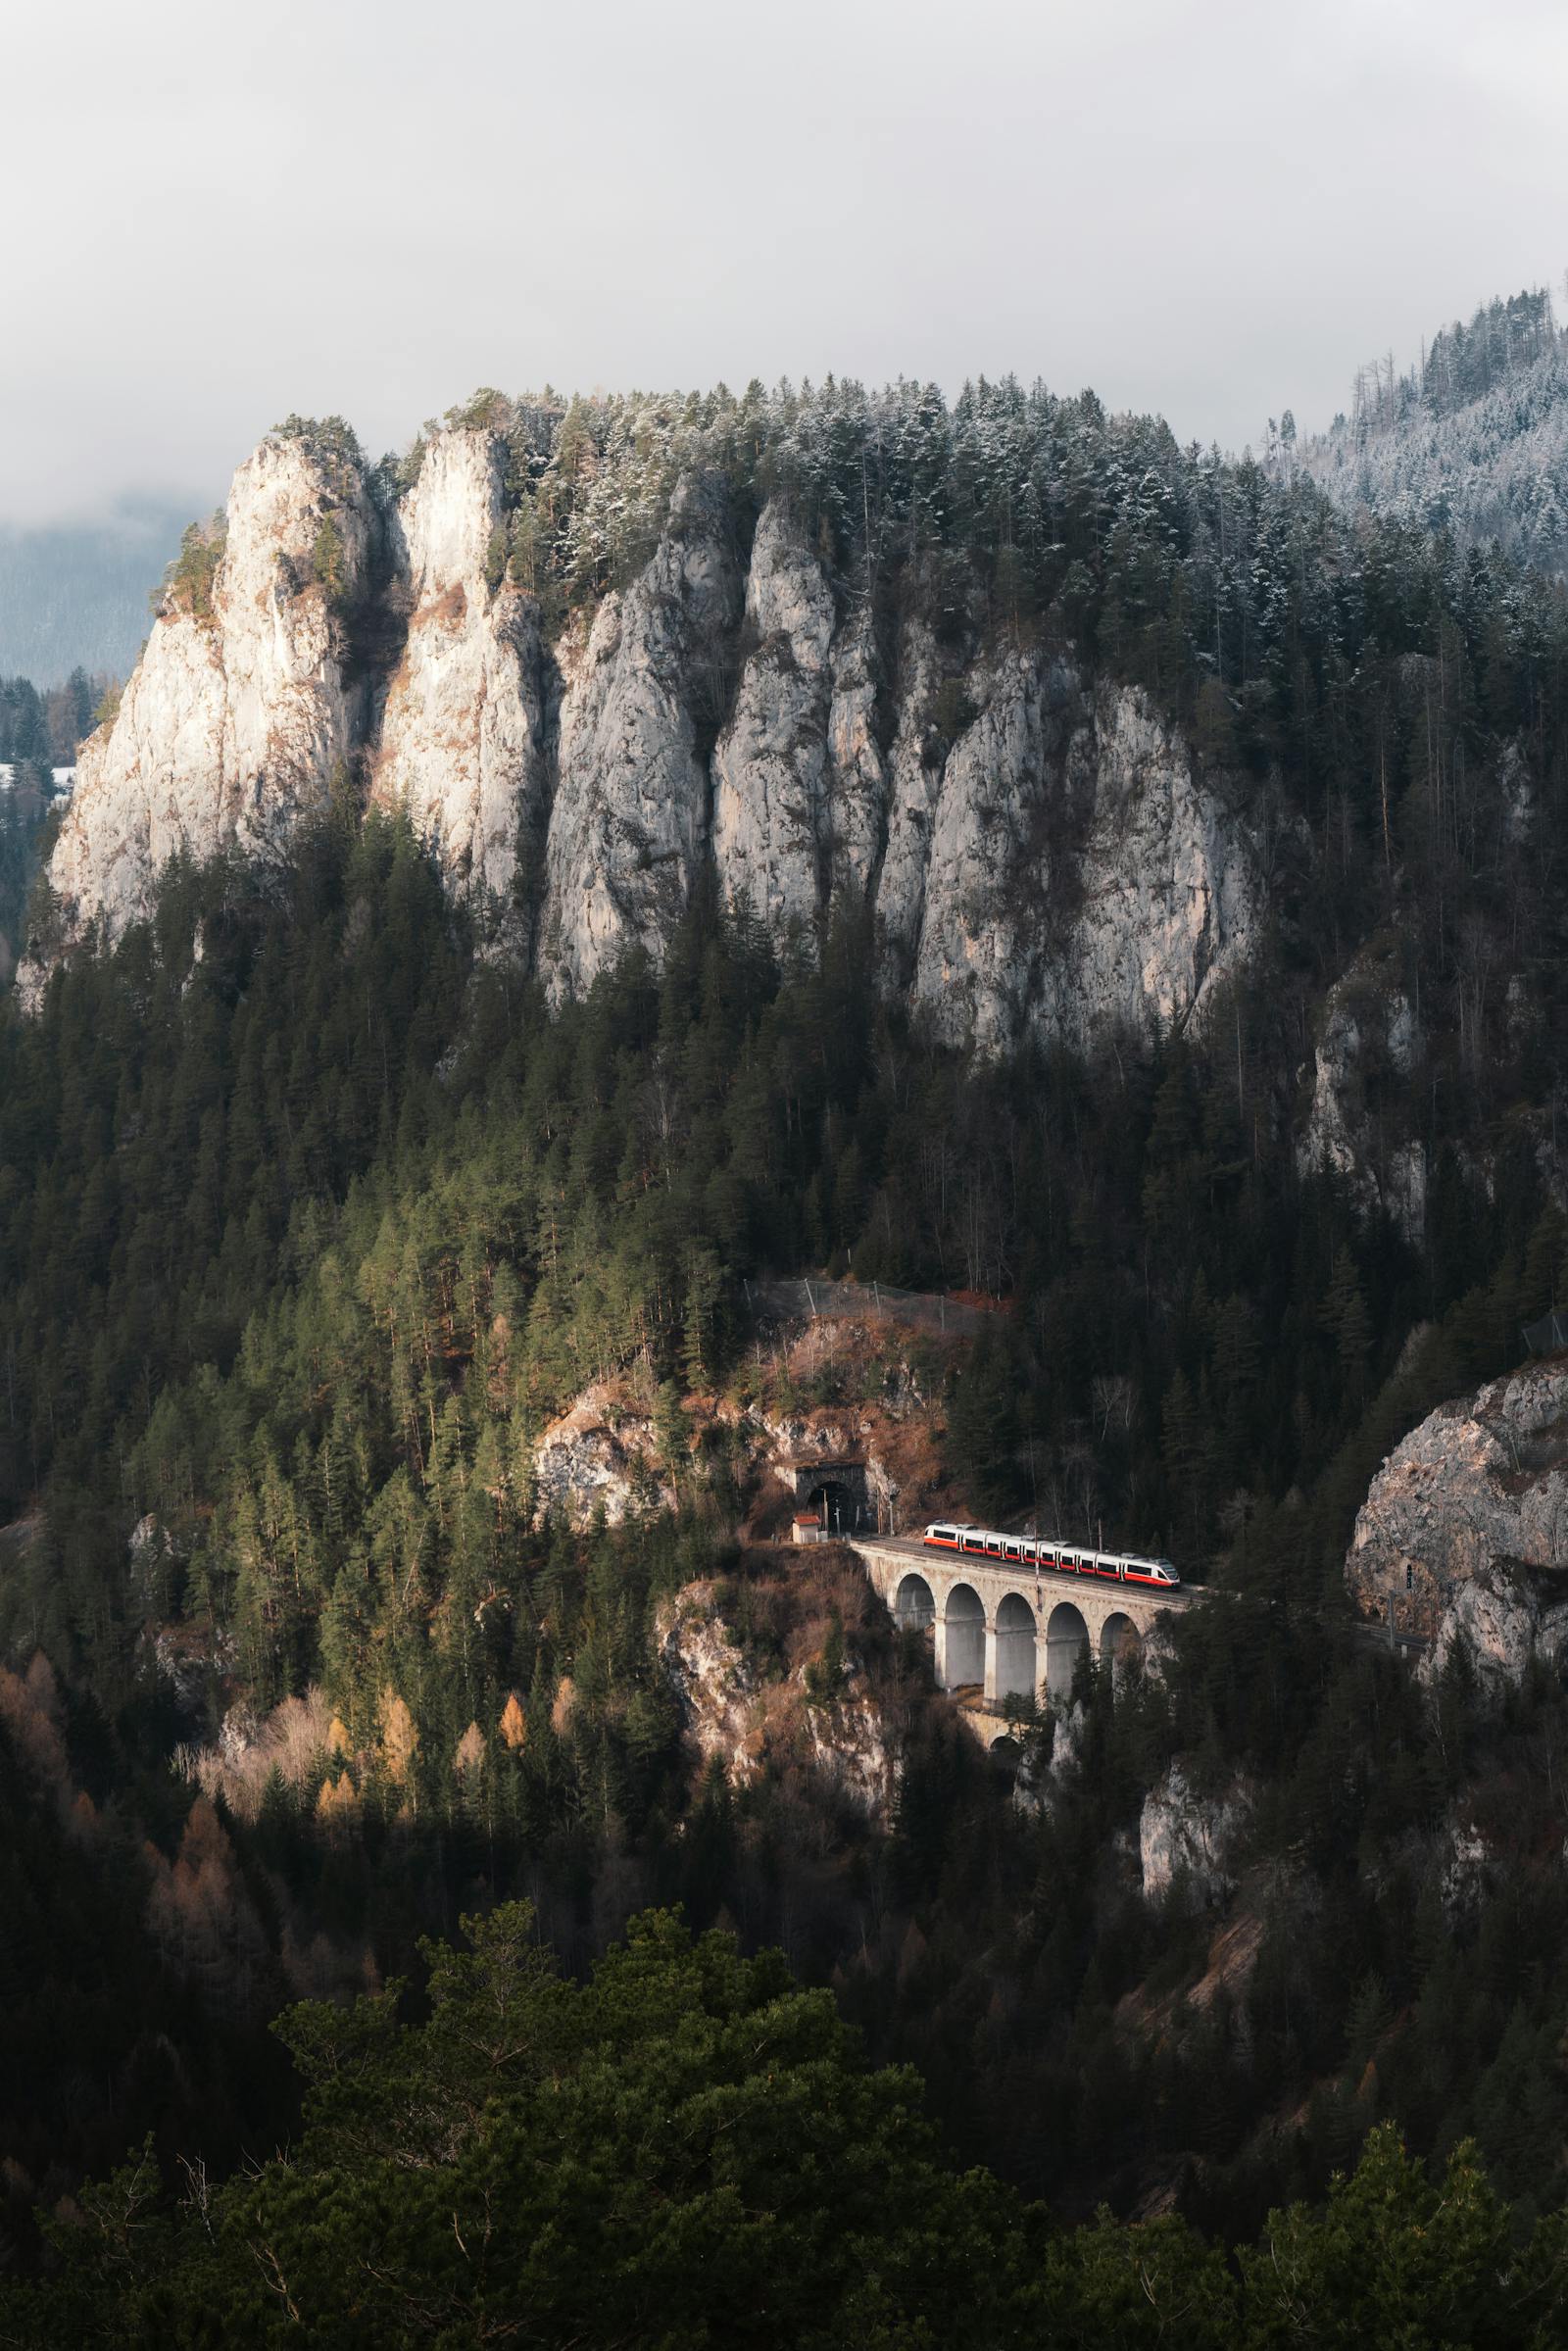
x=1183 y=1832
x=1466 y=1527
x=232 y=723
x=463 y=745
x=1077 y=877
x=733 y=1714
x=1054 y=868
x=771 y=810
x=859 y=775
x=987 y=873
x=1037 y=850
x=800 y=800
x=1167 y=894
x=915 y=784
x=629 y=823
x=1368 y=1037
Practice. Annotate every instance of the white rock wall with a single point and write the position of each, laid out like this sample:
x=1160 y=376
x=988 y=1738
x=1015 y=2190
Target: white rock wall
x=1465 y=1526
x=1076 y=878
x=629 y=822
x=914 y=787
x=732 y=1715
x=1056 y=868
x=230 y=728
x=1167 y=901
x=858 y=778
x=464 y=743
x=770 y=765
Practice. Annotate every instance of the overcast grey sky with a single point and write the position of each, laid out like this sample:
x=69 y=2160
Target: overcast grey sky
x=221 y=212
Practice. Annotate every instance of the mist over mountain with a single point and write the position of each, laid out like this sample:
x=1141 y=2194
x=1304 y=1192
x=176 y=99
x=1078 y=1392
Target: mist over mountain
x=74 y=595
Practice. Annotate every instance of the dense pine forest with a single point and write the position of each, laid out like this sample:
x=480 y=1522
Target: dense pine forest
x=314 y=1215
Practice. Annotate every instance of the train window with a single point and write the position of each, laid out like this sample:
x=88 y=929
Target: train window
x=1009 y=1550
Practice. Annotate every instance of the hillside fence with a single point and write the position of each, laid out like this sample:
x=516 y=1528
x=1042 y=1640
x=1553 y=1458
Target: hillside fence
x=863 y=1301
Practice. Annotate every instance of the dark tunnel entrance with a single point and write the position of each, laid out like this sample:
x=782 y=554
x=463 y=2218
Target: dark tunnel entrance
x=835 y=1506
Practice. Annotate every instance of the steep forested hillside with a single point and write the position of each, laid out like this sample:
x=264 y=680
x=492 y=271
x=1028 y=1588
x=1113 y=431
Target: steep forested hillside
x=1472 y=441
x=320 y=1198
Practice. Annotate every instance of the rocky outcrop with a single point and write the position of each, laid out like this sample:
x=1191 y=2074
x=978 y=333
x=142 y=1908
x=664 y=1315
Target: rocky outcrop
x=597 y=1457
x=915 y=784
x=800 y=788
x=237 y=712
x=772 y=821
x=1501 y=1618
x=1039 y=852
x=1367 y=1044
x=856 y=767
x=734 y=1715
x=848 y=1747
x=988 y=862
x=463 y=738
x=628 y=827
x=718 y=1690
x=1182 y=1834
x=1077 y=878
x=1466 y=1527
x=1167 y=900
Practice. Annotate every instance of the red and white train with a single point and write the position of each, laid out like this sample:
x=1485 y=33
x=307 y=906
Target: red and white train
x=1051 y=1554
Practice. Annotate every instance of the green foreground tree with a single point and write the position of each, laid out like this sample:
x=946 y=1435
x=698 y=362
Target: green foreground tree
x=686 y=2150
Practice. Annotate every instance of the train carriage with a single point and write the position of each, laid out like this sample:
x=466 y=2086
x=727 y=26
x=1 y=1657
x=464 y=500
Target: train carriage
x=1049 y=1554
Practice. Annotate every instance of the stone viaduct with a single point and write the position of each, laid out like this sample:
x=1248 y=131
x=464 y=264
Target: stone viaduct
x=1006 y=1630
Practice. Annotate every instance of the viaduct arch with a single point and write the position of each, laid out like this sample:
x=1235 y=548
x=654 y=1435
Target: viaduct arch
x=1120 y=1640
x=961 y=1643
x=1005 y=1631
x=1066 y=1646
x=915 y=1609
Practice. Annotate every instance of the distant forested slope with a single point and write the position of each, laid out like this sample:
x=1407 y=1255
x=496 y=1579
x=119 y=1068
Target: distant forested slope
x=38 y=734
x=74 y=595
x=1473 y=440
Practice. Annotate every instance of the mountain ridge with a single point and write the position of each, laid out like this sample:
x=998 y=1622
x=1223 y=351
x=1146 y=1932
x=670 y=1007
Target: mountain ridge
x=1472 y=441
x=726 y=702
